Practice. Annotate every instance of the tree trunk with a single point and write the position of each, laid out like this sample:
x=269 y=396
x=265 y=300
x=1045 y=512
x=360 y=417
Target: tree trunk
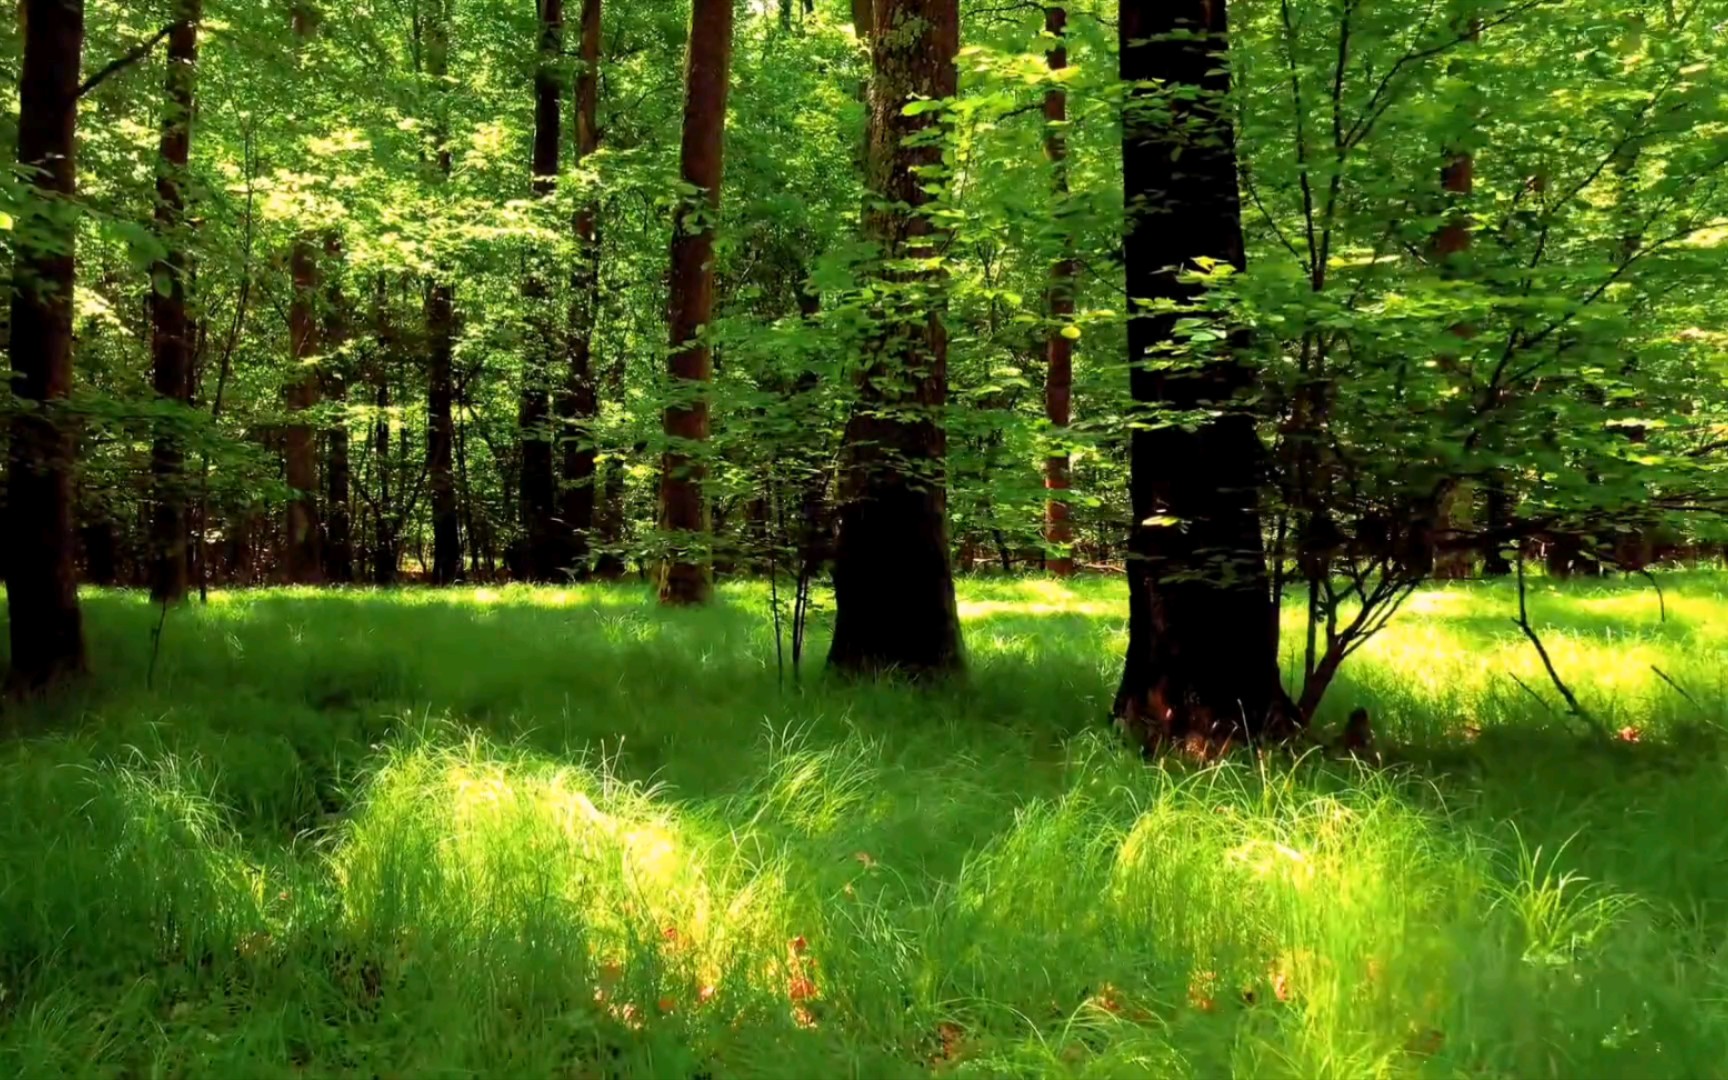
x=339 y=529
x=302 y=561
x=386 y=551
x=864 y=18
x=579 y=404
x=440 y=332
x=170 y=330
x=686 y=577
x=893 y=586
x=1498 y=531
x=1202 y=663
x=1059 y=349
x=46 y=627
x=1451 y=246
x=534 y=414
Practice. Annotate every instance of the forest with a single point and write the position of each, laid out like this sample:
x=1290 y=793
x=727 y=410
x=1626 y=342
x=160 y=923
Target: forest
x=789 y=538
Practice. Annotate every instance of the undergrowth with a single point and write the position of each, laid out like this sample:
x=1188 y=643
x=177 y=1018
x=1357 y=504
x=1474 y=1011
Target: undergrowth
x=563 y=833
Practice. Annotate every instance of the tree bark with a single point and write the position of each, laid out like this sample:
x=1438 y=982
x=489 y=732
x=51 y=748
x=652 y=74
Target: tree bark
x=302 y=560
x=1450 y=247
x=46 y=627
x=338 y=525
x=893 y=585
x=170 y=330
x=440 y=332
x=1202 y=662
x=579 y=404
x=534 y=414
x=386 y=548
x=1059 y=349
x=686 y=577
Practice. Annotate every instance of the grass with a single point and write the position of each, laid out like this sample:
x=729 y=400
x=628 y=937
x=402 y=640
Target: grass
x=562 y=833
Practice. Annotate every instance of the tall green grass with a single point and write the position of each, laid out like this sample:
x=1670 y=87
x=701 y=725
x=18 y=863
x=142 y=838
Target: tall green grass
x=563 y=833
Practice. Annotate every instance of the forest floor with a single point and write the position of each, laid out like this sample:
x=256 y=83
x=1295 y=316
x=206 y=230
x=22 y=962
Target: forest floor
x=563 y=833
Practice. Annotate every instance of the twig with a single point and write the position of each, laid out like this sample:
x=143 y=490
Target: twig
x=1522 y=685
x=125 y=60
x=1523 y=621
x=1681 y=690
x=156 y=647
x=1661 y=601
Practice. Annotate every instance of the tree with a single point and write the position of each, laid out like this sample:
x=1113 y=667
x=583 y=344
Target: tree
x=46 y=627
x=170 y=336
x=542 y=557
x=1202 y=660
x=685 y=578
x=1059 y=349
x=338 y=511
x=893 y=585
x=578 y=406
x=440 y=333
x=302 y=560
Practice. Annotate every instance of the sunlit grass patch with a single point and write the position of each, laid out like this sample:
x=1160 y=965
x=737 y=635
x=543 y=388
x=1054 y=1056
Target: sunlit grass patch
x=562 y=832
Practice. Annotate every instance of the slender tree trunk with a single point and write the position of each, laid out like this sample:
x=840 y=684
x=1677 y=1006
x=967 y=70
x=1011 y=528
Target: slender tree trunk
x=579 y=404
x=1451 y=247
x=440 y=332
x=302 y=562
x=1498 y=510
x=46 y=627
x=386 y=551
x=170 y=330
x=534 y=413
x=893 y=585
x=339 y=529
x=609 y=516
x=1202 y=661
x=864 y=17
x=1059 y=349
x=687 y=576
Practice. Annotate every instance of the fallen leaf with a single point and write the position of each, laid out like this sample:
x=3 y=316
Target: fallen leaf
x=1630 y=734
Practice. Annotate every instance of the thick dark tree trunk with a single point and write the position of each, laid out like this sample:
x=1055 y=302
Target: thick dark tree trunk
x=544 y=557
x=893 y=586
x=170 y=329
x=686 y=577
x=1202 y=663
x=46 y=628
x=302 y=561
x=1059 y=349
x=440 y=332
x=338 y=511
x=579 y=403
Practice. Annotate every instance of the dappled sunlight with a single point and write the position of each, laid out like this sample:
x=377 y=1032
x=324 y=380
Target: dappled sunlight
x=450 y=812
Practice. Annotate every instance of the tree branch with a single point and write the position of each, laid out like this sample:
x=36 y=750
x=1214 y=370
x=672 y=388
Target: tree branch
x=125 y=60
